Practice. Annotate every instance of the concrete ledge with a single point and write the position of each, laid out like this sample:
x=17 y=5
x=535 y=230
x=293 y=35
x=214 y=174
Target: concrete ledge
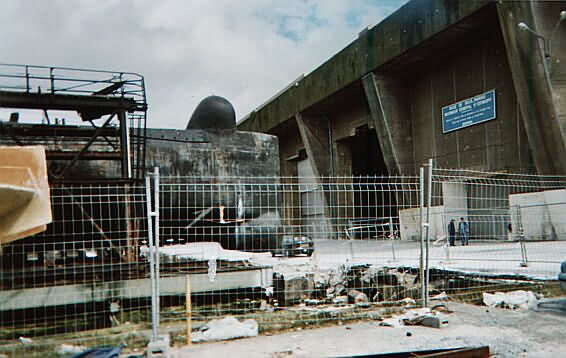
x=128 y=289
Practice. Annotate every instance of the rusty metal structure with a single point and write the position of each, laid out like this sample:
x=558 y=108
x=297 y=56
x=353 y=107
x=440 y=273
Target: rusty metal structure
x=113 y=103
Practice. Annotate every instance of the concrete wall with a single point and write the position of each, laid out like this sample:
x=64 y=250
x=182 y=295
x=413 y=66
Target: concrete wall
x=410 y=223
x=312 y=204
x=478 y=66
x=540 y=215
x=434 y=53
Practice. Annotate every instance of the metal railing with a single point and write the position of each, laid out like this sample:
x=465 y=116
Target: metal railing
x=32 y=79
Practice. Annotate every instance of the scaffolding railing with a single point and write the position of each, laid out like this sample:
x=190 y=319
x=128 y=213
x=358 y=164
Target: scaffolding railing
x=86 y=83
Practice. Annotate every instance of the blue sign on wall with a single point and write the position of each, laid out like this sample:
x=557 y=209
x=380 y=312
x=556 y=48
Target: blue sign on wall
x=470 y=111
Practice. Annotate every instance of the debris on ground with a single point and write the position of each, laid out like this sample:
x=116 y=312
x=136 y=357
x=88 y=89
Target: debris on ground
x=417 y=317
x=340 y=300
x=66 y=349
x=441 y=307
x=391 y=322
x=355 y=296
x=441 y=296
x=104 y=352
x=226 y=328
x=515 y=299
x=25 y=340
x=424 y=320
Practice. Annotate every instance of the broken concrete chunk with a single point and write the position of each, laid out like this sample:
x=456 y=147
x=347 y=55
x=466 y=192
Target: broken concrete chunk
x=375 y=316
x=514 y=299
x=408 y=301
x=441 y=296
x=310 y=302
x=340 y=300
x=66 y=349
x=424 y=320
x=391 y=322
x=441 y=307
x=355 y=296
x=339 y=290
x=226 y=328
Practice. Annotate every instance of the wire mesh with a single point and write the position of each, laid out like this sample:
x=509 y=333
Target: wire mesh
x=285 y=251
x=288 y=250
x=79 y=278
x=507 y=230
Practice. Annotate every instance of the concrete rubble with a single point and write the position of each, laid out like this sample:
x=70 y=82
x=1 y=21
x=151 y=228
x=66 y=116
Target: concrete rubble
x=67 y=349
x=417 y=317
x=525 y=300
x=226 y=328
x=346 y=284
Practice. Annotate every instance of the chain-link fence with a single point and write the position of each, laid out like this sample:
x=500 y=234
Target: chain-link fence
x=116 y=268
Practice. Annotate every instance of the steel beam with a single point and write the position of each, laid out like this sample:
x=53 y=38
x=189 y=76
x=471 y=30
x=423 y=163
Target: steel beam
x=90 y=107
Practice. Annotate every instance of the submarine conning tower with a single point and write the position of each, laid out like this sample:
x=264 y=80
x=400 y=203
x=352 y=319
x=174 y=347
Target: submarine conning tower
x=213 y=112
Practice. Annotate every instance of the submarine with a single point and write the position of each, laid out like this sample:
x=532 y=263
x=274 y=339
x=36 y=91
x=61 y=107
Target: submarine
x=216 y=184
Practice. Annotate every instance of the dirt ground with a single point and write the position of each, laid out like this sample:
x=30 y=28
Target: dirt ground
x=508 y=333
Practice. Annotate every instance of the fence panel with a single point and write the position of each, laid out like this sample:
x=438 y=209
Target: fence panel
x=513 y=227
x=259 y=245
x=72 y=283
x=285 y=251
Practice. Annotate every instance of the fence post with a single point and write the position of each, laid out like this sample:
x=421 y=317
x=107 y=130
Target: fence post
x=428 y=205
x=156 y=235
x=392 y=238
x=524 y=260
x=153 y=240
x=149 y=197
x=421 y=232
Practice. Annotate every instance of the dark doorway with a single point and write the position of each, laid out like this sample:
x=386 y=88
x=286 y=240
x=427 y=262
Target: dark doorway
x=367 y=158
x=374 y=199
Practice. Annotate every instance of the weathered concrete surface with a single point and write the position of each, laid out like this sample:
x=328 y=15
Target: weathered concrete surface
x=540 y=215
x=406 y=28
x=390 y=117
x=427 y=55
x=410 y=223
x=531 y=70
x=131 y=289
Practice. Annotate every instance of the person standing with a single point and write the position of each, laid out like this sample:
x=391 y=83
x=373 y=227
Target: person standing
x=463 y=231
x=451 y=232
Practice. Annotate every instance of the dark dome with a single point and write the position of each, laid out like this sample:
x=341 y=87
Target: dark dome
x=213 y=112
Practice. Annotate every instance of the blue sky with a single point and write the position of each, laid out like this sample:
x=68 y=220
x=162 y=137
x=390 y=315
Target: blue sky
x=243 y=50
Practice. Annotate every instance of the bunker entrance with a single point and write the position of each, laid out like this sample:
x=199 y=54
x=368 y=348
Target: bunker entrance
x=374 y=199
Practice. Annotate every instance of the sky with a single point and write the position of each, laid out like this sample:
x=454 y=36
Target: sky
x=245 y=51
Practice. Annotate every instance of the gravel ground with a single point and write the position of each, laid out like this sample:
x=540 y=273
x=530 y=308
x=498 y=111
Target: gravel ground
x=508 y=333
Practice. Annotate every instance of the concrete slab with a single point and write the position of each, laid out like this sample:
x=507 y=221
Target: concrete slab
x=128 y=289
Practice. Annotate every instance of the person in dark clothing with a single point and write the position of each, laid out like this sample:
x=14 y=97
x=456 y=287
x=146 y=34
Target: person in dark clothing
x=451 y=232
x=463 y=231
